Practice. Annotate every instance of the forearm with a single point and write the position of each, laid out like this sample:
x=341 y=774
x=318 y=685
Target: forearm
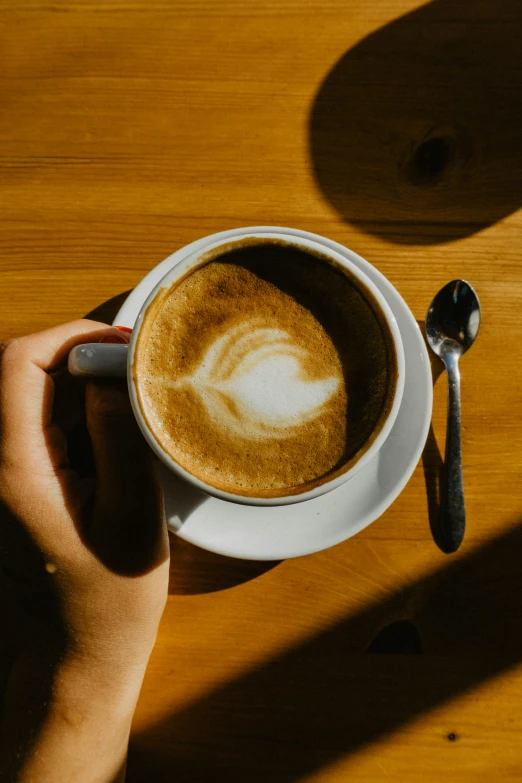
x=67 y=722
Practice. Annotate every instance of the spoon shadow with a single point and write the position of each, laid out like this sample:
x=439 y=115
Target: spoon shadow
x=432 y=462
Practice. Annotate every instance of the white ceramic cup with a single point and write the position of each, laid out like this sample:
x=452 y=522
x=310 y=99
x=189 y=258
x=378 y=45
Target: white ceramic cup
x=115 y=360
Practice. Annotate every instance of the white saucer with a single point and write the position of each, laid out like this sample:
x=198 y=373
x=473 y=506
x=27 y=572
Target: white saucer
x=276 y=533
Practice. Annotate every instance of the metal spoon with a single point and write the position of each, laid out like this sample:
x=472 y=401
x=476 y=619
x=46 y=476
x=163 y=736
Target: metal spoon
x=452 y=323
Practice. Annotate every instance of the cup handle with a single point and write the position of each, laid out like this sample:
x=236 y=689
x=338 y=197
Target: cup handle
x=108 y=360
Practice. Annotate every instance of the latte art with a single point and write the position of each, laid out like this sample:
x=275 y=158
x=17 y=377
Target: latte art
x=264 y=371
x=252 y=383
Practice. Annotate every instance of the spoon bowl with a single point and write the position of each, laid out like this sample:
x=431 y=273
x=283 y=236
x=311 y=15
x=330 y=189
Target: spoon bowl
x=453 y=319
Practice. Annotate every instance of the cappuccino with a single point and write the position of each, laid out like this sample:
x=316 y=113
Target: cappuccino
x=266 y=370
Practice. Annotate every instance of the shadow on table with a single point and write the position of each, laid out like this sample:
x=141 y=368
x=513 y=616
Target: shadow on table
x=432 y=461
x=416 y=132
x=106 y=311
x=194 y=570
x=326 y=699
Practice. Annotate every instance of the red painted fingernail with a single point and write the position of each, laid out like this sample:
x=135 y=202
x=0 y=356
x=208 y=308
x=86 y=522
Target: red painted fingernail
x=114 y=338
x=124 y=328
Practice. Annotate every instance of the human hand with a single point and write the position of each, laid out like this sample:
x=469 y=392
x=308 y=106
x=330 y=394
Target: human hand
x=97 y=546
x=94 y=549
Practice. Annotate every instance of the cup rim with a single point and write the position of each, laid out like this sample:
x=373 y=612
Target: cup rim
x=195 y=259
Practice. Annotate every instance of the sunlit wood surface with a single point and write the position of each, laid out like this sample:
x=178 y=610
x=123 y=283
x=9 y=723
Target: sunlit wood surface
x=127 y=130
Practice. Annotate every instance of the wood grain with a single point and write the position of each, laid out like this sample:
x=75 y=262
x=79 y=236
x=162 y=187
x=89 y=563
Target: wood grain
x=129 y=129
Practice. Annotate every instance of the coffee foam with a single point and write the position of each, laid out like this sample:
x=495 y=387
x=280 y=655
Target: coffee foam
x=243 y=373
x=251 y=383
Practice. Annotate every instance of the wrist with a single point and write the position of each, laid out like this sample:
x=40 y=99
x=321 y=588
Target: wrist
x=96 y=678
x=68 y=712
x=106 y=652
x=118 y=664
x=115 y=680
x=89 y=698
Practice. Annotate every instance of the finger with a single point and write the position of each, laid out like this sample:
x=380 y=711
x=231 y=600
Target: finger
x=48 y=349
x=26 y=387
x=128 y=530
x=69 y=413
x=69 y=400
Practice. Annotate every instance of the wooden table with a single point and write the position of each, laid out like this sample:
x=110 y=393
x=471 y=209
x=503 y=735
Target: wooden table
x=128 y=129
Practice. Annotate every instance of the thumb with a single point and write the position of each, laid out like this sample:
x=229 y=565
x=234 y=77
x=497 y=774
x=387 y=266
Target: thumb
x=127 y=530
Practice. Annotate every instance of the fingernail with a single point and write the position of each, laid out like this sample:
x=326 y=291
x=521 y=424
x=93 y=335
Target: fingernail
x=124 y=329
x=114 y=338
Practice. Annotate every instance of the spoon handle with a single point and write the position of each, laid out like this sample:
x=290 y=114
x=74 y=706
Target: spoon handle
x=452 y=514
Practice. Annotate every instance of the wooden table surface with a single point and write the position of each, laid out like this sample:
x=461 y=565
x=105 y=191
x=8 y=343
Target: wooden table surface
x=127 y=130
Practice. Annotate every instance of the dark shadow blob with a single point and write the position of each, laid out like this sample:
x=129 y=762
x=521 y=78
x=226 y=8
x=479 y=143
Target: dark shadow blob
x=433 y=466
x=416 y=132
x=194 y=570
x=326 y=698
x=432 y=461
x=106 y=311
x=399 y=638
